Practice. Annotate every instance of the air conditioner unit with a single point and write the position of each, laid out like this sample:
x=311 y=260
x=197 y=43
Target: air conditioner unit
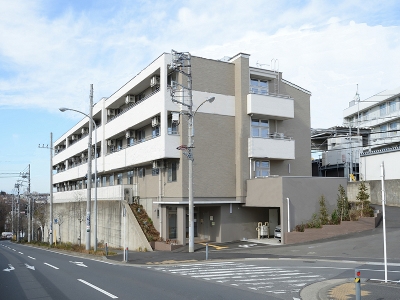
x=155 y=122
x=156 y=164
x=130 y=133
x=74 y=137
x=155 y=80
x=111 y=142
x=83 y=155
x=111 y=112
x=85 y=130
x=175 y=117
x=129 y=99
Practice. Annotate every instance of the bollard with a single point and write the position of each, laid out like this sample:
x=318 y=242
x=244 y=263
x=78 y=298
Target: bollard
x=206 y=251
x=357 y=281
x=126 y=255
x=106 y=249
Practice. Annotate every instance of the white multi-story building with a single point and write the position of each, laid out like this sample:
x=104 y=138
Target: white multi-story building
x=381 y=114
x=254 y=134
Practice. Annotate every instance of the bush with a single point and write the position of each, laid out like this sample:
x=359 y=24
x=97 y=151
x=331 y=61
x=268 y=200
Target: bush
x=300 y=228
x=335 y=219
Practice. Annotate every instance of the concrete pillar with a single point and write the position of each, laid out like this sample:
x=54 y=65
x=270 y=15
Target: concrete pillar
x=181 y=225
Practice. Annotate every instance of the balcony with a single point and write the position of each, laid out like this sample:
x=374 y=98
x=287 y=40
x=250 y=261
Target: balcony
x=273 y=107
x=276 y=146
x=115 y=192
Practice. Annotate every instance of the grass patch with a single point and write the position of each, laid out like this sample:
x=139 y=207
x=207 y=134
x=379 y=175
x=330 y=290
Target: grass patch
x=73 y=248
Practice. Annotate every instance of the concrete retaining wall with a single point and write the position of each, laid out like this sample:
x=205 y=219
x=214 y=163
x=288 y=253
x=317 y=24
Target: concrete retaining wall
x=110 y=228
x=392 y=188
x=328 y=231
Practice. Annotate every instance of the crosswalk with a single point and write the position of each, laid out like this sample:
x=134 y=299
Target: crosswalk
x=286 y=282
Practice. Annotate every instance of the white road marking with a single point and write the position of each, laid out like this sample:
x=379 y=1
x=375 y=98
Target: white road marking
x=30 y=267
x=31 y=257
x=51 y=266
x=78 y=263
x=20 y=252
x=10 y=268
x=14 y=250
x=98 y=289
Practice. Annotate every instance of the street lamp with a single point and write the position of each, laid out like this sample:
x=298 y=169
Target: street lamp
x=89 y=179
x=191 y=115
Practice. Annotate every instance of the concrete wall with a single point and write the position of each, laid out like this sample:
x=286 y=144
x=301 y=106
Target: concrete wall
x=370 y=166
x=392 y=188
x=110 y=228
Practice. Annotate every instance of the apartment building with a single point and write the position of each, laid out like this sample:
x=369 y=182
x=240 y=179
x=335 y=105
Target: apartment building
x=381 y=114
x=254 y=134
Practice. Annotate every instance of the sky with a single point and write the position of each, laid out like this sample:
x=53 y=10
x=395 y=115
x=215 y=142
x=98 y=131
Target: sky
x=52 y=50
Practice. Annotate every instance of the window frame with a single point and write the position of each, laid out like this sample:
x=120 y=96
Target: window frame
x=258 y=169
x=172 y=171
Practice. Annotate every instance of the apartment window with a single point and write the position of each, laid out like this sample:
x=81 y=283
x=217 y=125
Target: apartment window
x=119 y=145
x=172 y=126
x=140 y=135
x=119 y=178
x=156 y=131
x=393 y=128
x=392 y=106
x=131 y=141
x=383 y=130
x=259 y=86
x=111 y=179
x=365 y=116
x=80 y=184
x=155 y=171
x=104 y=181
x=259 y=128
x=130 y=177
x=261 y=168
x=382 y=109
x=141 y=172
x=172 y=167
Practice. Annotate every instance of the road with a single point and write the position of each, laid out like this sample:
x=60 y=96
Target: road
x=32 y=273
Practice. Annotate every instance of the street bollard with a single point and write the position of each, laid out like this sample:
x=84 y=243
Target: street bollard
x=106 y=249
x=206 y=251
x=126 y=255
x=357 y=281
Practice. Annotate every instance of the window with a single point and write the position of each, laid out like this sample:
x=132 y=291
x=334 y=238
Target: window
x=259 y=86
x=172 y=167
x=172 y=126
x=156 y=131
x=140 y=135
x=392 y=106
x=261 y=168
x=383 y=130
x=259 y=128
x=382 y=109
x=111 y=180
x=155 y=171
x=119 y=178
x=104 y=181
x=141 y=172
x=365 y=116
x=130 y=177
x=393 y=128
x=119 y=145
x=131 y=142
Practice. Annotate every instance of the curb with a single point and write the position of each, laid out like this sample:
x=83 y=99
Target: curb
x=319 y=290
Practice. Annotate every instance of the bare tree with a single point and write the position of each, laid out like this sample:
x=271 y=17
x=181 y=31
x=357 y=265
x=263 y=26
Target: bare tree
x=41 y=214
x=78 y=213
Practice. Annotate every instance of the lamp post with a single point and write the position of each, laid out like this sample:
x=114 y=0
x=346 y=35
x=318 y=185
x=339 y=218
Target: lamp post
x=191 y=115
x=89 y=180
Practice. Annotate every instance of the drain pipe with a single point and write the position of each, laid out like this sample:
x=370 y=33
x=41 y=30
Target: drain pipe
x=288 y=214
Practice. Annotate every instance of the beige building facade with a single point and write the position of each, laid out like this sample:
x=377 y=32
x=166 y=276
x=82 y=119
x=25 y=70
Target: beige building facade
x=256 y=131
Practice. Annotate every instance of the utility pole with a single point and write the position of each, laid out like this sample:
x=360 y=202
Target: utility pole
x=89 y=172
x=29 y=202
x=51 y=189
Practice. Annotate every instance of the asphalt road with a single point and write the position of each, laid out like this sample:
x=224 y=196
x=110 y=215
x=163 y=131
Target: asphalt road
x=31 y=273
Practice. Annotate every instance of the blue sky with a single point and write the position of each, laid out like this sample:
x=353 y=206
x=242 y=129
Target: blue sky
x=52 y=50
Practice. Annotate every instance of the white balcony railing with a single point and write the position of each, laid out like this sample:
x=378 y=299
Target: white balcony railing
x=273 y=148
x=270 y=106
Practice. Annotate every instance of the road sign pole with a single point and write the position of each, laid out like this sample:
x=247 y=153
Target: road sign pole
x=357 y=281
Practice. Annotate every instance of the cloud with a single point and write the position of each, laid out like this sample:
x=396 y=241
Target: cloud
x=50 y=59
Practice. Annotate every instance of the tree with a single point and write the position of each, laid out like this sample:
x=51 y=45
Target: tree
x=79 y=213
x=343 y=205
x=363 y=198
x=323 y=212
x=41 y=215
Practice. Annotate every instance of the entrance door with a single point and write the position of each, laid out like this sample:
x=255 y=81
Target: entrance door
x=172 y=224
x=206 y=225
x=273 y=220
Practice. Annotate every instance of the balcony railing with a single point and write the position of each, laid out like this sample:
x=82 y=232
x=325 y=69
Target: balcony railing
x=117 y=149
x=132 y=105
